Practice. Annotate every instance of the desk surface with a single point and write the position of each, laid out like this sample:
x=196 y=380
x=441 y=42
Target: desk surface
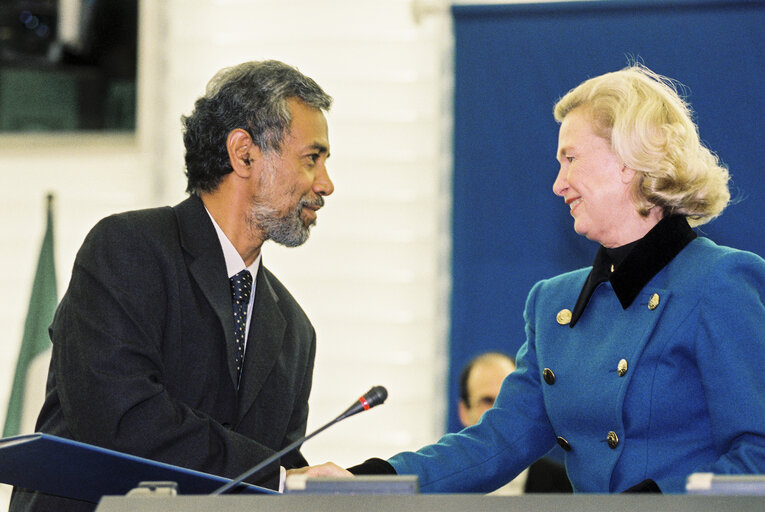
x=436 y=503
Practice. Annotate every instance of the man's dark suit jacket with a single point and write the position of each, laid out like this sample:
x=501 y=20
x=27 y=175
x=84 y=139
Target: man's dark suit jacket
x=143 y=357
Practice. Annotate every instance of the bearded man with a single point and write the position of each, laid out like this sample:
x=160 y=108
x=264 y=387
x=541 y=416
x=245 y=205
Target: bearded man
x=173 y=342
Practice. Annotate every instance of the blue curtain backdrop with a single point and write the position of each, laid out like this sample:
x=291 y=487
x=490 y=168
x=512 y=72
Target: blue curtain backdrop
x=512 y=63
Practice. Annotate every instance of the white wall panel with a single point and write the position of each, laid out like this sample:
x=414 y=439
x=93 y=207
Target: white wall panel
x=373 y=277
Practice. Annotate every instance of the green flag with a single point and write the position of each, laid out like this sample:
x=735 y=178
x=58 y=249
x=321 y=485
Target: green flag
x=42 y=305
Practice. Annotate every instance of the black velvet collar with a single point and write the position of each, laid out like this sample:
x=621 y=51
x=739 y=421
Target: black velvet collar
x=645 y=259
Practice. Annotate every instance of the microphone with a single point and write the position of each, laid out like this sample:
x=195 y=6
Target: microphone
x=375 y=396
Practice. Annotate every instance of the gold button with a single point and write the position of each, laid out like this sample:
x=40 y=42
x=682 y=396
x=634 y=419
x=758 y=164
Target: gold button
x=613 y=440
x=621 y=368
x=653 y=302
x=612 y=267
x=564 y=444
x=549 y=376
x=564 y=316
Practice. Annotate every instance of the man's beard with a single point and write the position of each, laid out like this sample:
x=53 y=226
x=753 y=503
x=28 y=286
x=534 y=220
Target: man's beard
x=288 y=230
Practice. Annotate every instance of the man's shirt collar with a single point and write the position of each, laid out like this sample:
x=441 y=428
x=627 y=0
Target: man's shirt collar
x=234 y=262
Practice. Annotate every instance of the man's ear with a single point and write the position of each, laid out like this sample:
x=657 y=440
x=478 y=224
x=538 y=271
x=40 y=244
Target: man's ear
x=242 y=152
x=462 y=412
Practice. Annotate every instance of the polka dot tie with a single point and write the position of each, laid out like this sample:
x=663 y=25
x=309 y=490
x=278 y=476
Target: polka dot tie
x=241 y=287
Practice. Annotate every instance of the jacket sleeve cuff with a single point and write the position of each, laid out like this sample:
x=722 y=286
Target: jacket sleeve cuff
x=373 y=466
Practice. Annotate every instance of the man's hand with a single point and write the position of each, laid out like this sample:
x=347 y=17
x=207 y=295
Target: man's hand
x=326 y=469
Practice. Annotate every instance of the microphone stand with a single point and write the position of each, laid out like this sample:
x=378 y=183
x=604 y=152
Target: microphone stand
x=374 y=396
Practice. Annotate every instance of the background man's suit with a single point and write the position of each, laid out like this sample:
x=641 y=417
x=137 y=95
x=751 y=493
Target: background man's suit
x=143 y=353
x=546 y=476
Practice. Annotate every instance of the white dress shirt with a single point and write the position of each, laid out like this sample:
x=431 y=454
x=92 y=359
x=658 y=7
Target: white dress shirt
x=234 y=265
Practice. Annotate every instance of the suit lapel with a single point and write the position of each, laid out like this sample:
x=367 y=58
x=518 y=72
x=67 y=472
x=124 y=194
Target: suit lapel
x=264 y=342
x=208 y=267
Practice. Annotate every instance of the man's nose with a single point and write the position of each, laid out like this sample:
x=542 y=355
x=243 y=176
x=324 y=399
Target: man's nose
x=323 y=185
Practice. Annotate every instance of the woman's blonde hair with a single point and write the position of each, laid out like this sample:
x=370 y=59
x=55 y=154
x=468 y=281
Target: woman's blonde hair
x=650 y=128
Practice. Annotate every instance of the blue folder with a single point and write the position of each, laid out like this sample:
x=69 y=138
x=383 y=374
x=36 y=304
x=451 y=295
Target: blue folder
x=60 y=466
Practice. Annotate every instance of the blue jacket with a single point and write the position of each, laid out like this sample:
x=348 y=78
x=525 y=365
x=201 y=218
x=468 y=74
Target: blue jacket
x=671 y=385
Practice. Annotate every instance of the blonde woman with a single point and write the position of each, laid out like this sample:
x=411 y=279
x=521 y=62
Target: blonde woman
x=647 y=366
